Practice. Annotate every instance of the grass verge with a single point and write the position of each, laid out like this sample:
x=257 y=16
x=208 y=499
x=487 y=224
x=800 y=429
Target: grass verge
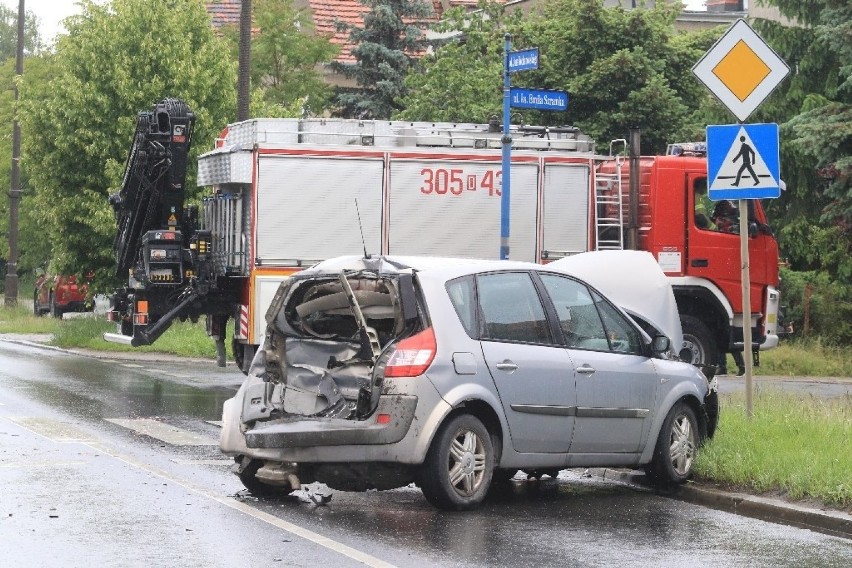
x=185 y=339
x=796 y=446
x=805 y=358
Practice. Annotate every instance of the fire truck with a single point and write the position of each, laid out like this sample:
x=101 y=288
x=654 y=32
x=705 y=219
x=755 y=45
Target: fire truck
x=286 y=193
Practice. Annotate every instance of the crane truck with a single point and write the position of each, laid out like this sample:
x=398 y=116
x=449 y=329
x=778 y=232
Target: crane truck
x=286 y=193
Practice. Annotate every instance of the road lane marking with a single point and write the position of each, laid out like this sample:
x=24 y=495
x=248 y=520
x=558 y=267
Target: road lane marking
x=233 y=503
x=228 y=462
x=52 y=429
x=132 y=366
x=39 y=464
x=163 y=432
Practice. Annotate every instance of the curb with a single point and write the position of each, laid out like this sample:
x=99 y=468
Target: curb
x=827 y=521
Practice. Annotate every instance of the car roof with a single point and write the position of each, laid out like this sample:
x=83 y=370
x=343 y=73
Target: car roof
x=433 y=266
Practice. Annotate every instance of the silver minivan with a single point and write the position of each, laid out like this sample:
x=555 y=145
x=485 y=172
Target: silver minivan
x=454 y=374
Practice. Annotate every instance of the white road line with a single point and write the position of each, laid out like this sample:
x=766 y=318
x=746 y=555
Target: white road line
x=163 y=432
x=302 y=532
x=175 y=375
x=52 y=429
x=38 y=464
x=132 y=366
x=203 y=462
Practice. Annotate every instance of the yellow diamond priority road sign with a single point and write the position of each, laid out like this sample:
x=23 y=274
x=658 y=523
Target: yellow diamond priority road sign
x=741 y=70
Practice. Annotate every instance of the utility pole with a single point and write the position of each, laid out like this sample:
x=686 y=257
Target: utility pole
x=11 y=290
x=244 y=80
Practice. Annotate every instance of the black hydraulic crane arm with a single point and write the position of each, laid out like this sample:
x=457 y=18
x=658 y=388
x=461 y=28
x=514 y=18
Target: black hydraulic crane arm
x=152 y=192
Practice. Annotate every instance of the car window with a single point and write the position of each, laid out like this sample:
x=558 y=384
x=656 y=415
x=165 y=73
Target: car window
x=578 y=317
x=623 y=337
x=462 y=295
x=511 y=309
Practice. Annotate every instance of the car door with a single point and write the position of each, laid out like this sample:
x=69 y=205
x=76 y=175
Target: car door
x=533 y=375
x=616 y=383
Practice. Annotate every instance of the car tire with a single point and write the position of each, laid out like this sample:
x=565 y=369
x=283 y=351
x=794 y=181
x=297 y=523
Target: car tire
x=459 y=466
x=699 y=347
x=55 y=311
x=677 y=447
x=257 y=487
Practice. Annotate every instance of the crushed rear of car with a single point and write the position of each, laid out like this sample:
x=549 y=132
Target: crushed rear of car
x=315 y=384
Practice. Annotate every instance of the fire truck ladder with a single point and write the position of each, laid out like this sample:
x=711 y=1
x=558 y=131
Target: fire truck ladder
x=609 y=207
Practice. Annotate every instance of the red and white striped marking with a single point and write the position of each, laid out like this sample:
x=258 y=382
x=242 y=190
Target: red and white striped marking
x=244 y=323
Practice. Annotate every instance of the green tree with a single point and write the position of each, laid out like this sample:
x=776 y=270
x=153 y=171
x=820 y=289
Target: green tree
x=621 y=68
x=384 y=48
x=462 y=80
x=9 y=33
x=286 y=58
x=814 y=106
x=117 y=59
x=8 y=51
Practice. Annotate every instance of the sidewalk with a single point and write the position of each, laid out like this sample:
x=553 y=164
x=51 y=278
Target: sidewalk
x=809 y=516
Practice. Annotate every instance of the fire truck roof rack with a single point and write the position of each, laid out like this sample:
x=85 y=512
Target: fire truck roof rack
x=353 y=132
x=687 y=149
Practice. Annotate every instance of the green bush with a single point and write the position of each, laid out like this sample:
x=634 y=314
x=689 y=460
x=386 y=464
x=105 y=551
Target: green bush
x=830 y=305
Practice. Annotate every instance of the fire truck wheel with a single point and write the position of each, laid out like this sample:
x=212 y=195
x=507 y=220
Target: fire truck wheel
x=243 y=354
x=699 y=347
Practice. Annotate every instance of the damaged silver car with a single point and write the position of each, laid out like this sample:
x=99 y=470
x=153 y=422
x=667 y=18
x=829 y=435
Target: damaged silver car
x=453 y=374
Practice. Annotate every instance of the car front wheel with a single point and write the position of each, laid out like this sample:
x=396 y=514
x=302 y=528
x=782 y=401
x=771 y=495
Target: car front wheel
x=677 y=447
x=459 y=466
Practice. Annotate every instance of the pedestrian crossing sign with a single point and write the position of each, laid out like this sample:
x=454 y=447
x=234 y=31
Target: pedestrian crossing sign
x=743 y=161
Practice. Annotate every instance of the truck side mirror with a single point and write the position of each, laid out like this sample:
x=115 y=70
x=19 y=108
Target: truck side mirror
x=752 y=230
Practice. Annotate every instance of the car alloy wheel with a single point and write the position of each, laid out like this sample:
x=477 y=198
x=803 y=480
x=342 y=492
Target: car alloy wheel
x=459 y=466
x=682 y=450
x=677 y=447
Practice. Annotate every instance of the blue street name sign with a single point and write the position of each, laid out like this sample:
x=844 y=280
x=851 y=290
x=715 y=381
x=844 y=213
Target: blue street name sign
x=539 y=99
x=743 y=161
x=523 y=60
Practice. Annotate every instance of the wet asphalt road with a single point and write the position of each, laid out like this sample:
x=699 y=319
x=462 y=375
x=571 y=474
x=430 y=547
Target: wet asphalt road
x=105 y=463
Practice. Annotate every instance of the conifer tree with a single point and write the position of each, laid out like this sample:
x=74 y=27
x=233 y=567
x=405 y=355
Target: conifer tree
x=384 y=47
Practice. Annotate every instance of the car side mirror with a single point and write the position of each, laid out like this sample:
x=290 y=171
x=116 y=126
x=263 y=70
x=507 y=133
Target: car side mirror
x=660 y=344
x=752 y=230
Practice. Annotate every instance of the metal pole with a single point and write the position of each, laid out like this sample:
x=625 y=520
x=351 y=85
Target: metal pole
x=747 y=356
x=11 y=289
x=506 y=141
x=633 y=214
x=244 y=79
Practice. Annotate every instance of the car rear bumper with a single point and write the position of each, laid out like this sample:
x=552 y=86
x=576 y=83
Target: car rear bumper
x=304 y=432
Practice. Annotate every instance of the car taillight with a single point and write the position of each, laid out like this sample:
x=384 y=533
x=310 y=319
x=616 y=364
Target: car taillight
x=413 y=355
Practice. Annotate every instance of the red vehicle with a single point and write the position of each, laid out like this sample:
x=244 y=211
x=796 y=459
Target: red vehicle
x=60 y=294
x=286 y=193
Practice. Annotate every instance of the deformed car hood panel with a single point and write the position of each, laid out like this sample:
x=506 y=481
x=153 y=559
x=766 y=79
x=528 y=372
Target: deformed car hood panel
x=633 y=280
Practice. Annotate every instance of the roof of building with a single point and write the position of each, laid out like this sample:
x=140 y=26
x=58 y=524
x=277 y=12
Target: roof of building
x=224 y=12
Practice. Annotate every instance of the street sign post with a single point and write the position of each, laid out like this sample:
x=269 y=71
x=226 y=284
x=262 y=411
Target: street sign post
x=741 y=70
x=539 y=99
